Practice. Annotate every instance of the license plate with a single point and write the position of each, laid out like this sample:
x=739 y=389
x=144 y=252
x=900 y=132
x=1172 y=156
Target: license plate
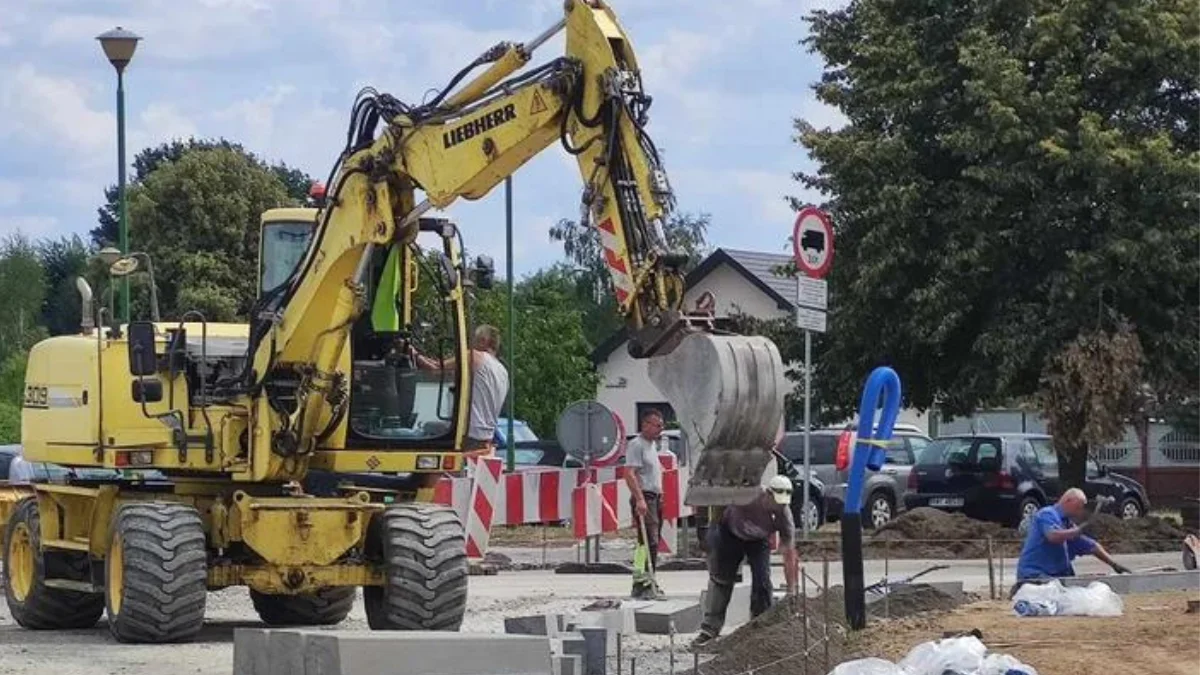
x=946 y=501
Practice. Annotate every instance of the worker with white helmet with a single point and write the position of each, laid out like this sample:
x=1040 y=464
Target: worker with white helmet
x=744 y=533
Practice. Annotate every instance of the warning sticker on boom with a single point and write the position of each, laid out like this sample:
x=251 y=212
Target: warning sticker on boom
x=538 y=104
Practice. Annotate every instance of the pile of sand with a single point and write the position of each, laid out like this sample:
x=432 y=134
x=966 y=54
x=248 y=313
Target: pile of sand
x=769 y=644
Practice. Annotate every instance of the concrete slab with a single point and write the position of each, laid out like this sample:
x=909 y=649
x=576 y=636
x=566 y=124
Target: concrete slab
x=423 y=652
x=568 y=665
x=657 y=617
x=595 y=660
x=285 y=649
x=549 y=625
x=251 y=654
x=616 y=622
x=333 y=652
x=738 y=611
x=1124 y=584
x=570 y=644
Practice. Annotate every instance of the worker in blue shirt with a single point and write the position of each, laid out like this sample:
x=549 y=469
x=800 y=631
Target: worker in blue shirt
x=1053 y=541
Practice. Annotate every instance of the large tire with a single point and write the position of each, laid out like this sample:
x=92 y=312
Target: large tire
x=326 y=607
x=34 y=605
x=157 y=573
x=423 y=551
x=1025 y=512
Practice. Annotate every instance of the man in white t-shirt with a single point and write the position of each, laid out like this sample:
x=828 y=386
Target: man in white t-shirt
x=644 y=476
x=489 y=388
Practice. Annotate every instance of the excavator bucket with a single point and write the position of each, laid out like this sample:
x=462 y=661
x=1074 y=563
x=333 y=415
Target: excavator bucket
x=728 y=394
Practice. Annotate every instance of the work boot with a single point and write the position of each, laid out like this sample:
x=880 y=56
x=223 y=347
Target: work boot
x=703 y=640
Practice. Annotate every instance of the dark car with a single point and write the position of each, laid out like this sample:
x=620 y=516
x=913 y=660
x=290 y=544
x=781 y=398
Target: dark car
x=1007 y=477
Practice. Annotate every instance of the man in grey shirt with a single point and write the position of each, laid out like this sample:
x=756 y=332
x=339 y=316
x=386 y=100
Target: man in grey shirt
x=743 y=533
x=489 y=388
x=643 y=474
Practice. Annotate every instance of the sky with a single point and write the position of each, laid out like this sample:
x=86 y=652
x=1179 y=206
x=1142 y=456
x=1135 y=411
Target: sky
x=280 y=76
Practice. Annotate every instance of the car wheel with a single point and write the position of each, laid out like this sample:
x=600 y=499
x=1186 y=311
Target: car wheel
x=1130 y=509
x=879 y=510
x=1189 y=558
x=1029 y=507
x=812 y=516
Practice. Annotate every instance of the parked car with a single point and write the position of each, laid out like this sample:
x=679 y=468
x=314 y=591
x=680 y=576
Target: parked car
x=883 y=490
x=1007 y=477
x=46 y=472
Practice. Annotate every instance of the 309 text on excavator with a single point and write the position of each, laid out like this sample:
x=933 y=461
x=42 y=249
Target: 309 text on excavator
x=469 y=130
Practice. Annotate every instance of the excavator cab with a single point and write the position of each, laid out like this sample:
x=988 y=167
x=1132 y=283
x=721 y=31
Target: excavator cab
x=415 y=296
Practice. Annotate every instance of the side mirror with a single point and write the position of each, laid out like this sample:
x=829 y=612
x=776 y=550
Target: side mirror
x=142 y=360
x=483 y=273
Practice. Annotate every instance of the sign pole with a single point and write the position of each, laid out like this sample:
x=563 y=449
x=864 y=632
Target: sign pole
x=812 y=246
x=807 y=424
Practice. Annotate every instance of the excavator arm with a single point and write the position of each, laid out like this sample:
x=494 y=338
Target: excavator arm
x=727 y=389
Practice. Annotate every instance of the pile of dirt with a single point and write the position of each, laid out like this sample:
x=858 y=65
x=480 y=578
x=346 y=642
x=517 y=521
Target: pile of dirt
x=1136 y=535
x=925 y=532
x=773 y=643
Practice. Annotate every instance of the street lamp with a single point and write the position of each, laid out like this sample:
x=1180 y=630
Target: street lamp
x=119 y=45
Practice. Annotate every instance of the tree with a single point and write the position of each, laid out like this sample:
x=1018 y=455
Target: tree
x=197 y=216
x=23 y=287
x=593 y=284
x=296 y=183
x=1011 y=176
x=1089 y=391
x=62 y=261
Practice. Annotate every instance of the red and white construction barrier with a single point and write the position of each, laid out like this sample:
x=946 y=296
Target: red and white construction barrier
x=475 y=497
x=595 y=501
x=605 y=506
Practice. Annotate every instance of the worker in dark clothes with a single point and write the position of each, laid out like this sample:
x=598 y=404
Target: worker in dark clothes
x=743 y=533
x=1053 y=541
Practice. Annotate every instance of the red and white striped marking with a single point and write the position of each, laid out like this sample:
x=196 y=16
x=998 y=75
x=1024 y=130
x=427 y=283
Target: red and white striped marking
x=476 y=500
x=614 y=259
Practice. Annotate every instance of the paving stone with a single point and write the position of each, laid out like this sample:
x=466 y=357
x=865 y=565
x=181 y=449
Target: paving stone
x=568 y=665
x=738 y=611
x=549 y=625
x=616 y=622
x=251 y=655
x=657 y=617
x=595 y=660
x=1145 y=582
x=285 y=650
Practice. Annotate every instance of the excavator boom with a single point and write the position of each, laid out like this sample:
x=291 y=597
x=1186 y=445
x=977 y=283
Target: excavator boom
x=727 y=390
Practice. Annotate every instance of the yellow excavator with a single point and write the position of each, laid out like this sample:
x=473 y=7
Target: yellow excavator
x=238 y=417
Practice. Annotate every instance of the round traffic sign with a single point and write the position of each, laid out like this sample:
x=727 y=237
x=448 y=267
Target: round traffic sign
x=812 y=242
x=591 y=433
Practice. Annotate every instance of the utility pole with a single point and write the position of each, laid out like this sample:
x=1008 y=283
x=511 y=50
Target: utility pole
x=511 y=449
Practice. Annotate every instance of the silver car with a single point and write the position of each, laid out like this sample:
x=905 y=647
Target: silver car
x=884 y=490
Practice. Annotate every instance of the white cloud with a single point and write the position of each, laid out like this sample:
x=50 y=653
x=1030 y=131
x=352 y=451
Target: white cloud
x=767 y=191
x=28 y=225
x=36 y=105
x=10 y=192
x=158 y=123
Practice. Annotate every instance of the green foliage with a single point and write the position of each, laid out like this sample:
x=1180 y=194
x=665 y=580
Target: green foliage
x=296 y=183
x=1012 y=174
x=592 y=283
x=197 y=216
x=10 y=423
x=23 y=287
x=62 y=261
x=1089 y=392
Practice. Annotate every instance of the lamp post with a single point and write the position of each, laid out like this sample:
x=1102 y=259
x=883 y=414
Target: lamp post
x=119 y=45
x=512 y=335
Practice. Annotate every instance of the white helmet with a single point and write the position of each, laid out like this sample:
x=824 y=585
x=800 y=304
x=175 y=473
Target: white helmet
x=780 y=488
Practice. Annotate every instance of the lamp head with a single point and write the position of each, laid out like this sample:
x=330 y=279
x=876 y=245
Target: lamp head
x=123 y=267
x=119 y=45
x=109 y=255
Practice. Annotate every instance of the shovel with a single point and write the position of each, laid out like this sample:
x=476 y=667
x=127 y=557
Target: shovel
x=649 y=558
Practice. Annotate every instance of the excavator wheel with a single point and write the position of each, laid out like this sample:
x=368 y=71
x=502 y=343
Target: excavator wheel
x=34 y=605
x=423 y=550
x=157 y=573
x=326 y=607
